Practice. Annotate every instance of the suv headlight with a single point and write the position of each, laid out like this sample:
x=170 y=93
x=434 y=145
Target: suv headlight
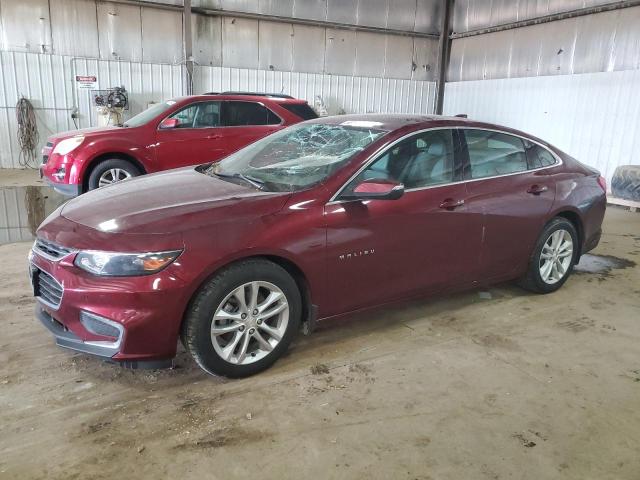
x=68 y=145
x=124 y=264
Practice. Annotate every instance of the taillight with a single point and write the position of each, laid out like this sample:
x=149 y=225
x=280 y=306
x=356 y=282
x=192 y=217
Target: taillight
x=603 y=183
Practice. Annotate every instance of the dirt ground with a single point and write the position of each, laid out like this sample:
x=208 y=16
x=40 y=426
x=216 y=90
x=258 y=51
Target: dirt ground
x=498 y=384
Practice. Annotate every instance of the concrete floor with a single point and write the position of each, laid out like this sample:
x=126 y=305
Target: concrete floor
x=466 y=387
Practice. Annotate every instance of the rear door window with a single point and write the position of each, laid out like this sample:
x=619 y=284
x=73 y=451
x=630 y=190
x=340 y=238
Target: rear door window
x=235 y=114
x=538 y=157
x=492 y=154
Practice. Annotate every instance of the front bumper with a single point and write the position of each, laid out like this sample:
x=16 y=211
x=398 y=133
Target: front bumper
x=66 y=189
x=147 y=310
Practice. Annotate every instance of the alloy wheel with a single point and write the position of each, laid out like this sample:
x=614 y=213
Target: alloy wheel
x=556 y=256
x=113 y=175
x=250 y=322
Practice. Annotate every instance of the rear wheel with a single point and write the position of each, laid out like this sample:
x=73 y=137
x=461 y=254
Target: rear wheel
x=112 y=171
x=243 y=319
x=553 y=257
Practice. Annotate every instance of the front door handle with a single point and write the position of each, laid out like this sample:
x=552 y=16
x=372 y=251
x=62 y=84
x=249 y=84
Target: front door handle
x=451 y=204
x=537 y=189
x=213 y=136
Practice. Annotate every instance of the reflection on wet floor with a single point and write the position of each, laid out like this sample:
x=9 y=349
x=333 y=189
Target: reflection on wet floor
x=22 y=209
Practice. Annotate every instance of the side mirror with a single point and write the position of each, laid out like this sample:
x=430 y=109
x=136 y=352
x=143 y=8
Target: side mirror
x=169 y=123
x=376 y=189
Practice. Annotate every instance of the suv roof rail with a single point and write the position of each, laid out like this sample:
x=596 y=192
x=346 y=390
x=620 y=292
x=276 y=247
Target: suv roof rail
x=253 y=94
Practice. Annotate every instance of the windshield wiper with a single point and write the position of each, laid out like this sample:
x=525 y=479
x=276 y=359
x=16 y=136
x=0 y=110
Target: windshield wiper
x=259 y=184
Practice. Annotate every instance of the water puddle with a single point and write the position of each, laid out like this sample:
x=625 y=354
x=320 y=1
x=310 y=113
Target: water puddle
x=602 y=264
x=22 y=209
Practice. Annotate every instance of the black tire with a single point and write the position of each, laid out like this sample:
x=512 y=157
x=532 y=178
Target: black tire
x=196 y=328
x=625 y=182
x=109 y=164
x=532 y=280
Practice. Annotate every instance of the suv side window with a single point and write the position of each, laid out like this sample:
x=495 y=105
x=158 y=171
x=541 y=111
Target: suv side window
x=493 y=154
x=422 y=160
x=537 y=156
x=199 y=115
x=247 y=113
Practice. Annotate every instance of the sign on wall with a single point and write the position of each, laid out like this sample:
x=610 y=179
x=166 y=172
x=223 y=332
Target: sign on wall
x=87 y=81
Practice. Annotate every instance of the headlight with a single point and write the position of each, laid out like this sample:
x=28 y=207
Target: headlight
x=68 y=145
x=124 y=264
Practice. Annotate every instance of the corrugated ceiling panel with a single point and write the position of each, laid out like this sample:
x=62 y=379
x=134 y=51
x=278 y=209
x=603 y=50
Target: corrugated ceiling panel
x=600 y=42
x=161 y=36
x=240 y=42
x=120 y=32
x=594 y=117
x=342 y=11
x=281 y=8
x=340 y=52
x=399 y=57
x=370 y=48
x=276 y=46
x=402 y=15
x=308 y=49
x=24 y=26
x=428 y=16
x=472 y=14
x=312 y=9
x=73 y=26
x=207 y=39
x=373 y=13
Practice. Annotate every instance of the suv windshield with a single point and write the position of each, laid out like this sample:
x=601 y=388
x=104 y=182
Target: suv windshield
x=297 y=157
x=149 y=113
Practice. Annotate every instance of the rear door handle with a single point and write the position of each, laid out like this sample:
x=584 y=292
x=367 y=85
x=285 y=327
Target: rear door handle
x=451 y=204
x=537 y=189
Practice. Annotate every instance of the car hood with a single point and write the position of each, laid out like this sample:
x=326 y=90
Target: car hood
x=87 y=132
x=170 y=202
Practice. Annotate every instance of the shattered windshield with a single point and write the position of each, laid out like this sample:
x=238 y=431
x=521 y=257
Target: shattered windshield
x=297 y=157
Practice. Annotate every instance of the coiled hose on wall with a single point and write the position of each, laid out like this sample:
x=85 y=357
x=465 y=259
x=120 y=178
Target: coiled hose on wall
x=28 y=135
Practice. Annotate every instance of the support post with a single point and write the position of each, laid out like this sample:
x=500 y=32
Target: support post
x=444 y=45
x=188 y=44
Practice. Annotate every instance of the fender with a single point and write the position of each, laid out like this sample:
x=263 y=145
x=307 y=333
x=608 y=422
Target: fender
x=101 y=145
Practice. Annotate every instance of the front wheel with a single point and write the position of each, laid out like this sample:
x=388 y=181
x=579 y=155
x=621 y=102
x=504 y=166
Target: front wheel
x=553 y=257
x=111 y=171
x=243 y=319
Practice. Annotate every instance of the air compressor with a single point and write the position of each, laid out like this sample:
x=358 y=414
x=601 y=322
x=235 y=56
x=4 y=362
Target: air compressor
x=110 y=105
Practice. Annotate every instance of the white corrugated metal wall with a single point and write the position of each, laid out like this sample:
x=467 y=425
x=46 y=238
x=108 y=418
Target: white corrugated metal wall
x=45 y=43
x=340 y=93
x=48 y=81
x=572 y=82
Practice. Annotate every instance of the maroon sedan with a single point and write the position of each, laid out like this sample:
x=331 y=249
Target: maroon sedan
x=323 y=218
x=176 y=133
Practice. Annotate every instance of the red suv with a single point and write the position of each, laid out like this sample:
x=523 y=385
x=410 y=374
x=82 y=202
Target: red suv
x=320 y=219
x=176 y=133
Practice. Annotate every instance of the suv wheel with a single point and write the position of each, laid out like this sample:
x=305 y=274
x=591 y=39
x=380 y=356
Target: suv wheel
x=111 y=171
x=243 y=319
x=553 y=257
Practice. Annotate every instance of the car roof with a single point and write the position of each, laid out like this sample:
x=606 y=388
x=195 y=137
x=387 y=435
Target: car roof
x=396 y=121
x=249 y=96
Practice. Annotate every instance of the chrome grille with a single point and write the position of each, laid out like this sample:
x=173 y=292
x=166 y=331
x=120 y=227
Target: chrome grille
x=47 y=288
x=50 y=250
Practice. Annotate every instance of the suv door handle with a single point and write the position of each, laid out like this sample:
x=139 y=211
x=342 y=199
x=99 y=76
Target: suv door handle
x=537 y=189
x=451 y=204
x=213 y=136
